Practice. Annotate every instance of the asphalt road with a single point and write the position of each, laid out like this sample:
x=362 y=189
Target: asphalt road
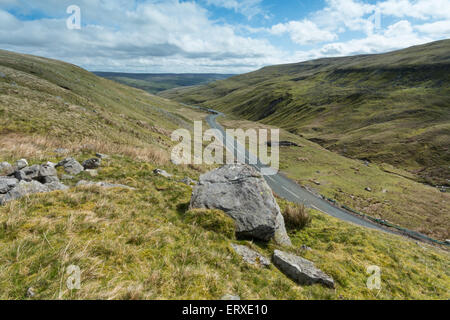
x=286 y=188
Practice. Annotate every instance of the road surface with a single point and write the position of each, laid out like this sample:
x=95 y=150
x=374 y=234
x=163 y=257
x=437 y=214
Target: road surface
x=286 y=188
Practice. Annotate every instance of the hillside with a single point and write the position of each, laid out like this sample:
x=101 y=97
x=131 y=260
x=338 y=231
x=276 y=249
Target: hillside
x=154 y=83
x=388 y=108
x=143 y=242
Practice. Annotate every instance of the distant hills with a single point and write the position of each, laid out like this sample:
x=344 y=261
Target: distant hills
x=154 y=82
x=388 y=108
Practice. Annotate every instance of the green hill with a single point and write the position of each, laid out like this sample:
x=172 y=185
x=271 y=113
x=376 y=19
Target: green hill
x=143 y=243
x=387 y=108
x=154 y=82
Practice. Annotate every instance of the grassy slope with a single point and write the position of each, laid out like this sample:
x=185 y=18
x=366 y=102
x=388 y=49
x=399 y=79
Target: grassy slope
x=143 y=244
x=390 y=108
x=154 y=83
x=394 y=195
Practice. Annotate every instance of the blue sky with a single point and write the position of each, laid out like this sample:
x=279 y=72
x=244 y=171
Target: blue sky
x=226 y=36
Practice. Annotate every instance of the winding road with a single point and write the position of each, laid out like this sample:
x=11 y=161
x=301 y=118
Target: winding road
x=285 y=187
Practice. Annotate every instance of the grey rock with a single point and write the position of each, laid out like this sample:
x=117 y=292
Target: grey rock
x=30 y=293
x=56 y=186
x=50 y=164
x=6 y=169
x=102 y=185
x=47 y=170
x=24 y=188
x=447 y=241
x=243 y=194
x=49 y=179
x=300 y=270
x=7 y=183
x=66 y=177
x=20 y=164
x=28 y=173
x=230 y=297
x=71 y=166
x=306 y=248
x=368 y=189
x=162 y=173
x=93 y=163
x=250 y=256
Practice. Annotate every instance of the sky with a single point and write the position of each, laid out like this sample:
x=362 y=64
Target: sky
x=215 y=36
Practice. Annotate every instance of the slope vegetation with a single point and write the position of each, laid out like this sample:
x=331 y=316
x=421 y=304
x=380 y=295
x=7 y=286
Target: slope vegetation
x=388 y=108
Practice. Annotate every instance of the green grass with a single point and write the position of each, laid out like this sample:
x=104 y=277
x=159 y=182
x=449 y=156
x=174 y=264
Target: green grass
x=145 y=244
x=389 y=108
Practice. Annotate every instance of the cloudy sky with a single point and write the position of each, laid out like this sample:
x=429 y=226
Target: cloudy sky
x=225 y=36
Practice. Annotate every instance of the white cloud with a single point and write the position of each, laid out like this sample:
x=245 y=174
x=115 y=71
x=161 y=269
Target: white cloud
x=439 y=29
x=249 y=8
x=303 y=32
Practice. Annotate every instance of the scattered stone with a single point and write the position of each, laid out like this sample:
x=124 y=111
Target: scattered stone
x=7 y=183
x=102 y=185
x=71 y=166
x=306 y=248
x=301 y=270
x=20 y=164
x=30 y=293
x=66 y=177
x=101 y=156
x=50 y=164
x=243 y=194
x=250 y=256
x=91 y=164
x=368 y=189
x=162 y=173
x=6 y=169
x=384 y=191
x=188 y=181
x=229 y=297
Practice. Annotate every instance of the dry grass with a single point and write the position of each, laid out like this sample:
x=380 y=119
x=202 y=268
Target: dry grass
x=296 y=217
x=17 y=146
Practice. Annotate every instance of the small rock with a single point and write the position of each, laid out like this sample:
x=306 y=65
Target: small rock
x=93 y=163
x=368 y=189
x=301 y=270
x=101 y=156
x=49 y=179
x=6 y=169
x=229 y=297
x=250 y=256
x=384 y=191
x=30 y=293
x=162 y=173
x=49 y=164
x=447 y=241
x=66 y=177
x=47 y=171
x=71 y=166
x=20 y=164
x=56 y=186
x=306 y=248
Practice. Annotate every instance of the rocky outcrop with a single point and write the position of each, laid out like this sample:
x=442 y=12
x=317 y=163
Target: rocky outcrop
x=22 y=189
x=6 y=169
x=300 y=270
x=71 y=166
x=250 y=256
x=243 y=194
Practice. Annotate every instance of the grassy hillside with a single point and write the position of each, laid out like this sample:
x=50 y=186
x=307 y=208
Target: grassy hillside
x=388 y=108
x=144 y=243
x=154 y=83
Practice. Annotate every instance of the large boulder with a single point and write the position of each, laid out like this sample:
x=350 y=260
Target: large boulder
x=300 y=270
x=242 y=193
x=28 y=173
x=7 y=183
x=71 y=166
